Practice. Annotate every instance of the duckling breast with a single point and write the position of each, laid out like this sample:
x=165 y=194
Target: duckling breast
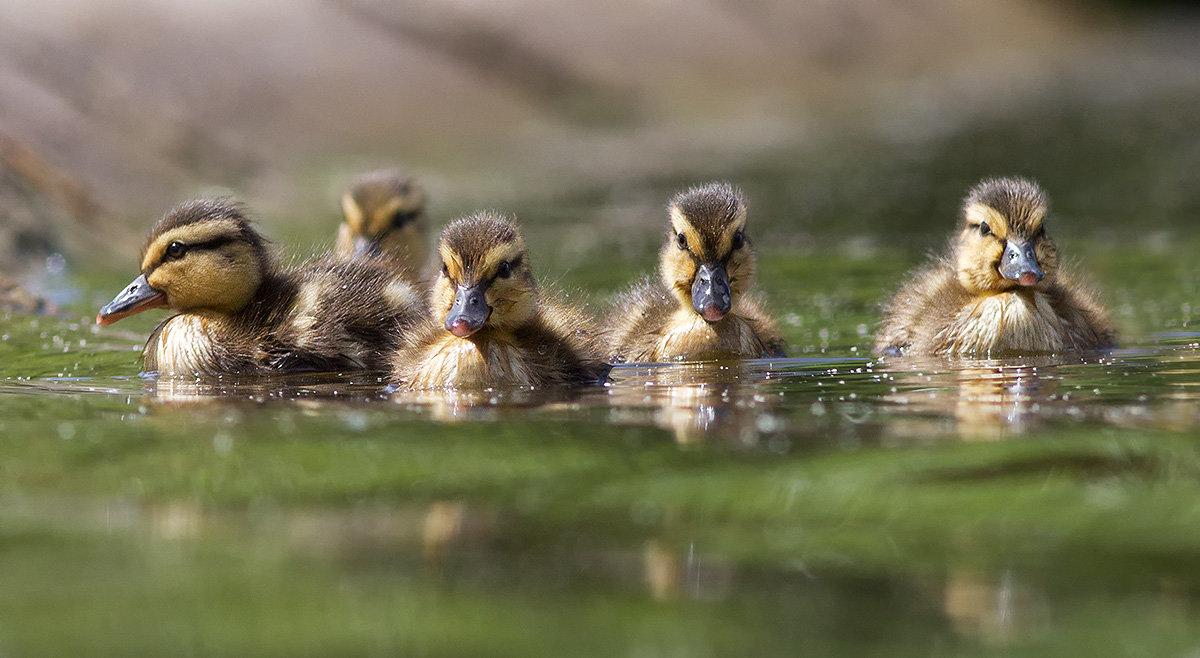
x=689 y=336
x=182 y=344
x=1007 y=322
x=464 y=363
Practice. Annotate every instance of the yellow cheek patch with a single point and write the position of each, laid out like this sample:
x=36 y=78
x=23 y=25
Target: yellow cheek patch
x=441 y=297
x=978 y=213
x=739 y=224
x=190 y=234
x=381 y=218
x=680 y=224
x=353 y=214
x=493 y=258
x=1035 y=218
x=454 y=264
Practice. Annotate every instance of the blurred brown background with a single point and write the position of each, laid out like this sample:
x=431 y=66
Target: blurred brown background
x=110 y=112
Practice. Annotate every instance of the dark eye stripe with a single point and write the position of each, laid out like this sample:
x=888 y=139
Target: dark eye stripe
x=189 y=247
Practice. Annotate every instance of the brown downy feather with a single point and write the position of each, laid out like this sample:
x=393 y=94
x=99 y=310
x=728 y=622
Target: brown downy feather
x=239 y=313
x=529 y=338
x=961 y=303
x=655 y=319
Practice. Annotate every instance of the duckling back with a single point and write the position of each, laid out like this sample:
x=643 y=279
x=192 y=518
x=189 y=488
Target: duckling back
x=345 y=315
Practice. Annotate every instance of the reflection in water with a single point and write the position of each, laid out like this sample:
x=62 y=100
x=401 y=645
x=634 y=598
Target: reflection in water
x=986 y=400
x=997 y=609
x=697 y=400
x=296 y=386
x=453 y=405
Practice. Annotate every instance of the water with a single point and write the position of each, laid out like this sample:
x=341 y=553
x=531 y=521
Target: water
x=829 y=503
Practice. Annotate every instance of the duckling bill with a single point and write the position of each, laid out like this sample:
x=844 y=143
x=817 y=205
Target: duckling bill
x=999 y=289
x=384 y=217
x=239 y=312
x=701 y=307
x=489 y=324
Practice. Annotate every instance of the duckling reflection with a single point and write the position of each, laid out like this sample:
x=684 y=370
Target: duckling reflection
x=384 y=218
x=996 y=609
x=473 y=405
x=695 y=401
x=986 y=401
x=301 y=389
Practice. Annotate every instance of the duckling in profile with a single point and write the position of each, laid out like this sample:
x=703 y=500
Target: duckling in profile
x=998 y=290
x=385 y=218
x=489 y=325
x=238 y=312
x=700 y=309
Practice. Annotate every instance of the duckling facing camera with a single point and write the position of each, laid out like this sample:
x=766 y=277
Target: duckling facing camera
x=488 y=323
x=240 y=313
x=700 y=309
x=999 y=290
x=384 y=217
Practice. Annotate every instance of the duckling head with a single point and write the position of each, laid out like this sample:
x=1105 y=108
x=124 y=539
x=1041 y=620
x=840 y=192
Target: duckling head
x=383 y=215
x=1002 y=245
x=202 y=255
x=708 y=259
x=485 y=280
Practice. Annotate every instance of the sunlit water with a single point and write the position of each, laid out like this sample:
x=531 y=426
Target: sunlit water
x=833 y=502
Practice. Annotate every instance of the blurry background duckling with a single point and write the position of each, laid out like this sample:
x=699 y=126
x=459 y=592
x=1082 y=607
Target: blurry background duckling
x=999 y=289
x=488 y=323
x=700 y=308
x=384 y=217
x=241 y=313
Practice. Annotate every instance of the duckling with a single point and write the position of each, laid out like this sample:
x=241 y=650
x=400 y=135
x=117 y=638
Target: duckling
x=489 y=324
x=238 y=312
x=700 y=309
x=385 y=218
x=999 y=289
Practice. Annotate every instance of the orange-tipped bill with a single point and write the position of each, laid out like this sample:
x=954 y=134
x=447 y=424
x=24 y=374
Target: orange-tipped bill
x=135 y=298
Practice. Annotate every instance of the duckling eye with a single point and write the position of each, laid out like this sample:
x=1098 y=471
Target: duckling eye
x=504 y=270
x=739 y=239
x=445 y=270
x=984 y=229
x=401 y=218
x=176 y=249
x=681 y=240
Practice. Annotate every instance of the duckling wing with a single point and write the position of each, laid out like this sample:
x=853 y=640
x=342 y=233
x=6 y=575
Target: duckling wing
x=752 y=308
x=920 y=311
x=636 y=320
x=1085 y=320
x=345 y=315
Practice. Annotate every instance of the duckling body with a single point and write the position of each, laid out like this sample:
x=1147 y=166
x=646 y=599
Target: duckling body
x=490 y=325
x=652 y=326
x=241 y=314
x=700 y=307
x=384 y=218
x=999 y=290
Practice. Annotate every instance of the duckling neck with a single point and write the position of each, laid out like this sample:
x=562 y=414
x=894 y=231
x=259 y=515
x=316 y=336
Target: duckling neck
x=1021 y=320
x=689 y=336
x=204 y=341
x=182 y=344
